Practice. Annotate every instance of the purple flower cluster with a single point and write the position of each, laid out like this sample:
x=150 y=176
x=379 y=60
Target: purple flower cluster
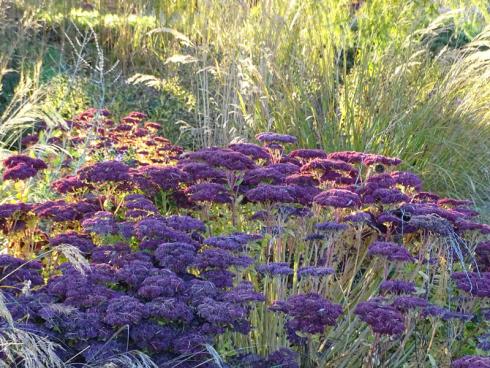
x=457 y=217
x=446 y=314
x=391 y=251
x=312 y=271
x=243 y=293
x=301 y=180
x=270 y=137
x=156 y=228
x=68 y=184
x=185 y=223
x=280 y=358
x=166 y=178
x=309 y=313
x=308 y=154
x=169 y=311
x=197 y=172
x=221 y=259
x=484 y=342
x=10 y=209
x=267 y=175
x=359 y=217
x=270 y=193
x=174 y=284
x=385 y=196
x=209 y=192
x=383 y=319
x=477 y=284
x=138 y=206
x=14 y=272
x=407 y=179
x=222 y=158
x=397 y=287
x=352 y=157
x=60 y=210
x=217 y=175
x=108 y=171
x=275 y=269
x=176 y=256
x=338 y=198
x=29 y=140
x=483 y=256
x=326 y=165
x=233 y=242
x=471 y=361
x=253 y=151
x=21 y=167
x=371 y=159
x=101 y=223
x=405 y=303
x=330 y=226
x=82 y=242
x=123 y=310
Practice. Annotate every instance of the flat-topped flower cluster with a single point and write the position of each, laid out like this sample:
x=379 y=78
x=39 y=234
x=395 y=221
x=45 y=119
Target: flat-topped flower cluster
x=272 y=251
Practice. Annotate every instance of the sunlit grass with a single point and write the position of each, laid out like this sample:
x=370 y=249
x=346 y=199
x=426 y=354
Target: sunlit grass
x=394 y=77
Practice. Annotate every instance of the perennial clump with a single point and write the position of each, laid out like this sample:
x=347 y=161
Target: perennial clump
x=265 y=254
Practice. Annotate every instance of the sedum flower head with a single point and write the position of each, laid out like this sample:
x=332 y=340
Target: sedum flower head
x=338 y=198
x=270 y=137
x=383 y=319
x=391 y=251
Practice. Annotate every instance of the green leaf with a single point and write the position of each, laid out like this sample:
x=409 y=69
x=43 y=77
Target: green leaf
x=432 y=361
x=425 y=276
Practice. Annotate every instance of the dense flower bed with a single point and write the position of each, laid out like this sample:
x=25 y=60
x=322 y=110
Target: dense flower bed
x=273 y=256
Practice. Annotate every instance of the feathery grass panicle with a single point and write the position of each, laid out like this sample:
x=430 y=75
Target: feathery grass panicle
x=32 y=350
x=4 y=312
x=74 y=256
x=136 y=359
